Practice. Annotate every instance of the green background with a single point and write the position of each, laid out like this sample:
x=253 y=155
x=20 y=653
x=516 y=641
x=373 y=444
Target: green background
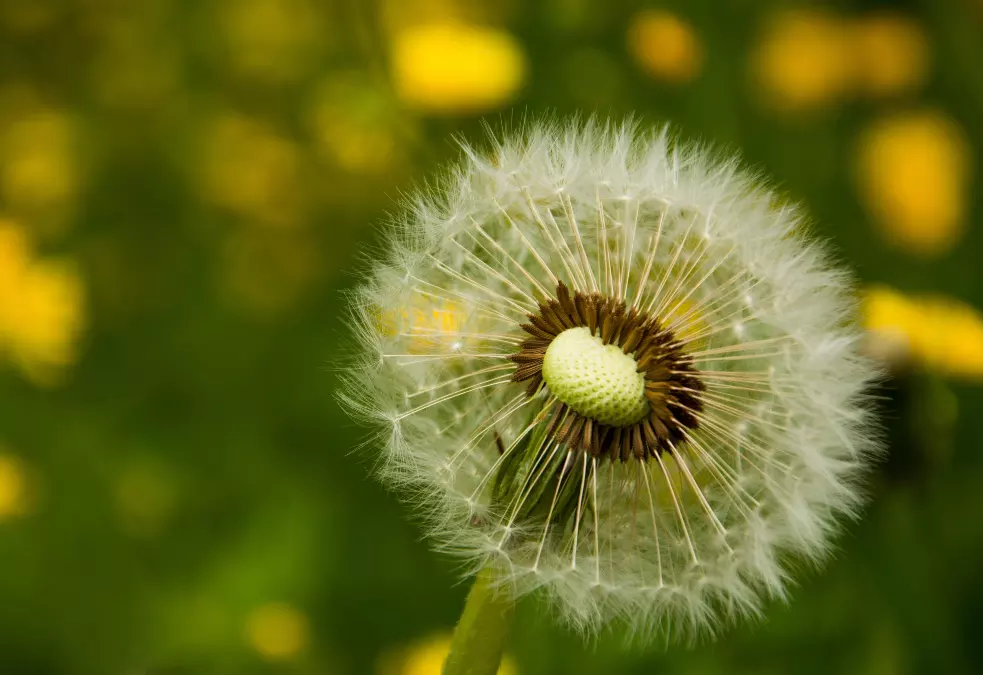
x=215 y=405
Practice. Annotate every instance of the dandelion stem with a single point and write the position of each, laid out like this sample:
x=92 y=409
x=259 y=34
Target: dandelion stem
x=483 y=630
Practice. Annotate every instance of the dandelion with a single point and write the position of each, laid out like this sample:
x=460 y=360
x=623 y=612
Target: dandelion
x=651 y=394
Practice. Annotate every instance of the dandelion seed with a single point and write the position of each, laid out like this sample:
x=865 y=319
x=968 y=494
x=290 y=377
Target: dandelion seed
x=651 y=394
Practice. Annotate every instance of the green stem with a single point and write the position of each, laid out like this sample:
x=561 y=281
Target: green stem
x=481 y=634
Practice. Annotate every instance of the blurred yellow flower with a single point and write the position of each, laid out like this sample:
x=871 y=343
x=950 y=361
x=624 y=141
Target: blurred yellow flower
x=891 y=320
x=41 y=309
x=934 y=332
x=428 y=321
x=913 y=175
x=891 y=54
x=456 y=67
x=956 y=337
x=665 y=46
x=353 y=123
x=38 y=173
x=427 y=658
x=14 y=493
x=271 y=40
x=277 y=631
x=802 y=61
x=253 y=171
x=137 y=66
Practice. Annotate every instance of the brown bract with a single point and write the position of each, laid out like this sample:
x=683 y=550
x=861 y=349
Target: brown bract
x=672 y=386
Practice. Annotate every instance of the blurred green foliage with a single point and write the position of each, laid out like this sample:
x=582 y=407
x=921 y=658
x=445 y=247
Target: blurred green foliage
x=183 y=496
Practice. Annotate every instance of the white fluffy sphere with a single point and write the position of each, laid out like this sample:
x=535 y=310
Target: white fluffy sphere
x=675 y=510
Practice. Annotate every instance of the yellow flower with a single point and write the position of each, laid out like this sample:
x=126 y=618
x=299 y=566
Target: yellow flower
x=957 y=337
x=14 y=490
x=891 y=54
x=913 y=174
x=428 y=322
x=802 y=61
x=456 y=67
x=665 y=45
x=934 y=332
x=892 y=322
x=41 y=309
x=277 y=632
x=427 y=658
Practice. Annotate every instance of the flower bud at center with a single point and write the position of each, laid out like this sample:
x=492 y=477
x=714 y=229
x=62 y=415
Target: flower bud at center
x=596 y=380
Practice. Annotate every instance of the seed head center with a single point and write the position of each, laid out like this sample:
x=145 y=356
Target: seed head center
x=596 y=380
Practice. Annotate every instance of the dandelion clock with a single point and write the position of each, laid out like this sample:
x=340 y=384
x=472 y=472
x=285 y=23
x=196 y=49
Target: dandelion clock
x=611 y=370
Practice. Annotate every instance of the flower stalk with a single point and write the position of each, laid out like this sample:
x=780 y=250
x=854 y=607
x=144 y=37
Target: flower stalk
x=483 y=630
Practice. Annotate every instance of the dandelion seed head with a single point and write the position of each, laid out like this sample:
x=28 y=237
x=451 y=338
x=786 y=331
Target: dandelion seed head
x=610 y=365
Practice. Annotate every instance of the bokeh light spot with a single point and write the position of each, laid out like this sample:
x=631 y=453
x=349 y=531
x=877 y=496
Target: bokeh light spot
x=665 y=45
x=277 y=631
x=39 y=173
x=250 y=169
x=14 y=493
x=354 y=125
x=42 y=309
x=271 y=41
x=891 y=54
x=456 y=67
x=913 y=175
x=932 y=332
x=802 y=61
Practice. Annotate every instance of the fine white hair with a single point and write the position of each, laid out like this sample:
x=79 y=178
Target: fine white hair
x=684 y=540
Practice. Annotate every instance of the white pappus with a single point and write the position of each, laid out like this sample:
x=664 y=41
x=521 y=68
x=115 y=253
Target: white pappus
x=618 y=370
